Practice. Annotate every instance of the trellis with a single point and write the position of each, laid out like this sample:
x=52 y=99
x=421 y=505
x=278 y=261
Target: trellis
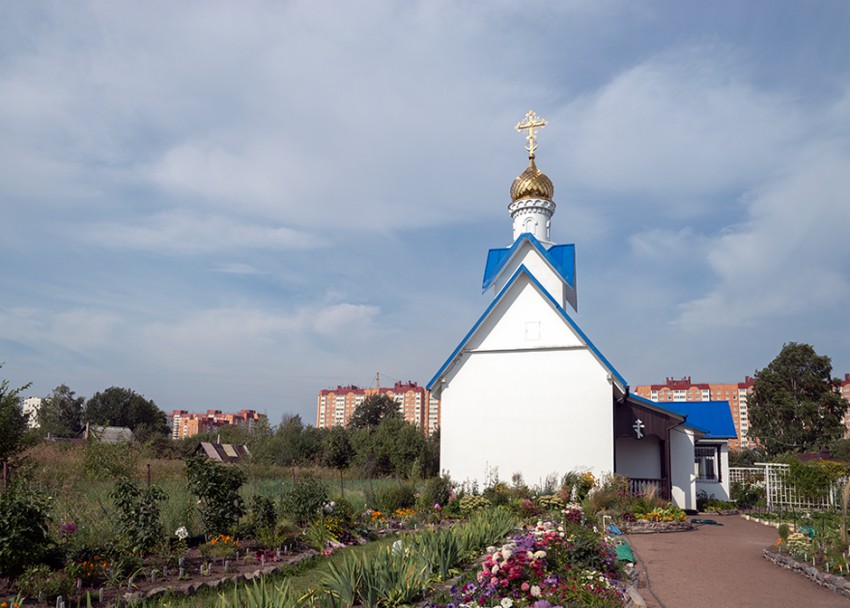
x=781 y=495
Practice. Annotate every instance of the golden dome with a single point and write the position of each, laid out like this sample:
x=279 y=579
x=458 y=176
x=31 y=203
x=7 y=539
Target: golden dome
x=532 y=183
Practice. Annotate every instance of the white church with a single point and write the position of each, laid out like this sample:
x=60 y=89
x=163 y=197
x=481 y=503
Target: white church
x=526 y=391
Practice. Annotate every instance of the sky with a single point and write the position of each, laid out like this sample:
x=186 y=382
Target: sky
x=228 y=205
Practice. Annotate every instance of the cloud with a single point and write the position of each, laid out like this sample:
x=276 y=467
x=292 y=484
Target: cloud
x=791 y=256
x=677 y=128
x=77 y=330
x=191 y=233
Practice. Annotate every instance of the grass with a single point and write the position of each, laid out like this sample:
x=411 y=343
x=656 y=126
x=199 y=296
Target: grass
x=80 y=489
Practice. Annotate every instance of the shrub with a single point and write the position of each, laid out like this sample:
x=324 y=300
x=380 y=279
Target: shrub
x=263 y=513
x=437 y=491
x=139 y=524
x=43 y=584
x=217 y=488
x=305 y=499
x=24 y=537
x=747 y=493
x=396 y=496
x=469 y=504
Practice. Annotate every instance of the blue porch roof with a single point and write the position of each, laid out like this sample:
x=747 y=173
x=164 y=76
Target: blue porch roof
x=714 y=418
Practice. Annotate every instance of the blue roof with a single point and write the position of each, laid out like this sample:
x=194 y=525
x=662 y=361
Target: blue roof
x=563 y=313
x=561 y=257
x=714 y=418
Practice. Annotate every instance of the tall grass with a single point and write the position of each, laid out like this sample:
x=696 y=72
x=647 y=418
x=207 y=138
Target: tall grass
x=80 y=490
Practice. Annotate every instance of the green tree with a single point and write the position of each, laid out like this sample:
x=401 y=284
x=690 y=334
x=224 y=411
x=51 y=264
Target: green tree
x=795 y=404
x=13 y=423
x=338 y=452
x=61 y=414
x=373 y=410
x=124 y=407
x=291 y=444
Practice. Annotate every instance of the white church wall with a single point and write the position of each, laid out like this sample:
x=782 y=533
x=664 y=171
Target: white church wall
x=639 y=458
x=682 y=476
x=529 y=256
x=534 y=412
x=524 y=320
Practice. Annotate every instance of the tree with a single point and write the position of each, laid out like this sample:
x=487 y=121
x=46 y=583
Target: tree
x=338 y=452
x=795 y=404
x=61 y=414
x=13 y=423
x=124 y=407
x=373 y=410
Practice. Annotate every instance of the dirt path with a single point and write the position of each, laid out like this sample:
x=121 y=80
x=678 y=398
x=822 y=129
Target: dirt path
x=722 y=566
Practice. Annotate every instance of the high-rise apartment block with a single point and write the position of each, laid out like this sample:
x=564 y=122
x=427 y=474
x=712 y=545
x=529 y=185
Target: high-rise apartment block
x=736 y=394
x=183 y=424
x=685 y=390
x=415 y=404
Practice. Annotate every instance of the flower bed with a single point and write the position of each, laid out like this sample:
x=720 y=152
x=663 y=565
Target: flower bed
x=835 y=583
x=547 y=565
x=652 y=527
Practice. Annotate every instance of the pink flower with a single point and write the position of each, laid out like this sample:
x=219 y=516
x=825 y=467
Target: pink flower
x=525 y=586
x=437 y=506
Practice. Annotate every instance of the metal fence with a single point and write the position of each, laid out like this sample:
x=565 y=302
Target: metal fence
x=780 y=495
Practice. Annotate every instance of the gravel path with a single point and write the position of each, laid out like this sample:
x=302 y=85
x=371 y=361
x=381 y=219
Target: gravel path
x=722 y=566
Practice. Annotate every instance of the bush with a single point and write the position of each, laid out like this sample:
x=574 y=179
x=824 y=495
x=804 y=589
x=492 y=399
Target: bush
x=217 y=488
x=437 y=491
x=139 y=523
x=397 y=496
x=24 y=536
x=747 y=494
x=305 y=500
x=469 y=504
x=263 y=513
x=43 y=584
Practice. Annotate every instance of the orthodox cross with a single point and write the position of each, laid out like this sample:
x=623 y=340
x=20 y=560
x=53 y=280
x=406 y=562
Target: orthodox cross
x=638 y=425
x=531 y=124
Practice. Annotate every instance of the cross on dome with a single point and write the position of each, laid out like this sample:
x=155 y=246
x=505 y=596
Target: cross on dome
x=531 y=124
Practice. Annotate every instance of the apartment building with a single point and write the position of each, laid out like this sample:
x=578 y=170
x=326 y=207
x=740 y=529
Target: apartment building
x=184 y=424
x=736 y=394
x=336 y=405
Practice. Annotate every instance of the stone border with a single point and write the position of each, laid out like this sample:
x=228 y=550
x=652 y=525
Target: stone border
x=655 y=527
x=836 y=584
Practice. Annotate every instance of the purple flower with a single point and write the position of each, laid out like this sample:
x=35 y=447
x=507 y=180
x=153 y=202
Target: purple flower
x=68 y=528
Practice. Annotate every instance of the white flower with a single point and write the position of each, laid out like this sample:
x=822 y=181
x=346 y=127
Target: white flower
x=182 y=533
x=506 y=553
x=539 y=554
x=494 y=569
x=507 y=602
x=491 y=550
x=535 y=590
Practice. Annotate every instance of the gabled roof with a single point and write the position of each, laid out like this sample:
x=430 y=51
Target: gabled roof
x=223 y=452
x=714 y=418
x=522 y=270
x=562 y=259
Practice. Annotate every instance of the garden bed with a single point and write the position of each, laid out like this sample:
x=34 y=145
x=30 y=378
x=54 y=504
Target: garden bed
x=655 y=527
x=836 y=584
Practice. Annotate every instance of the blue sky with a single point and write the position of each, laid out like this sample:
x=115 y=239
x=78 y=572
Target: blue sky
x=228 y=205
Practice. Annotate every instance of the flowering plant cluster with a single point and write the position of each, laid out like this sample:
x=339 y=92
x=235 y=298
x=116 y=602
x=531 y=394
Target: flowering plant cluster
x=87 y=572
x=670 y=513
x=404 y=513
x=549 y=565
